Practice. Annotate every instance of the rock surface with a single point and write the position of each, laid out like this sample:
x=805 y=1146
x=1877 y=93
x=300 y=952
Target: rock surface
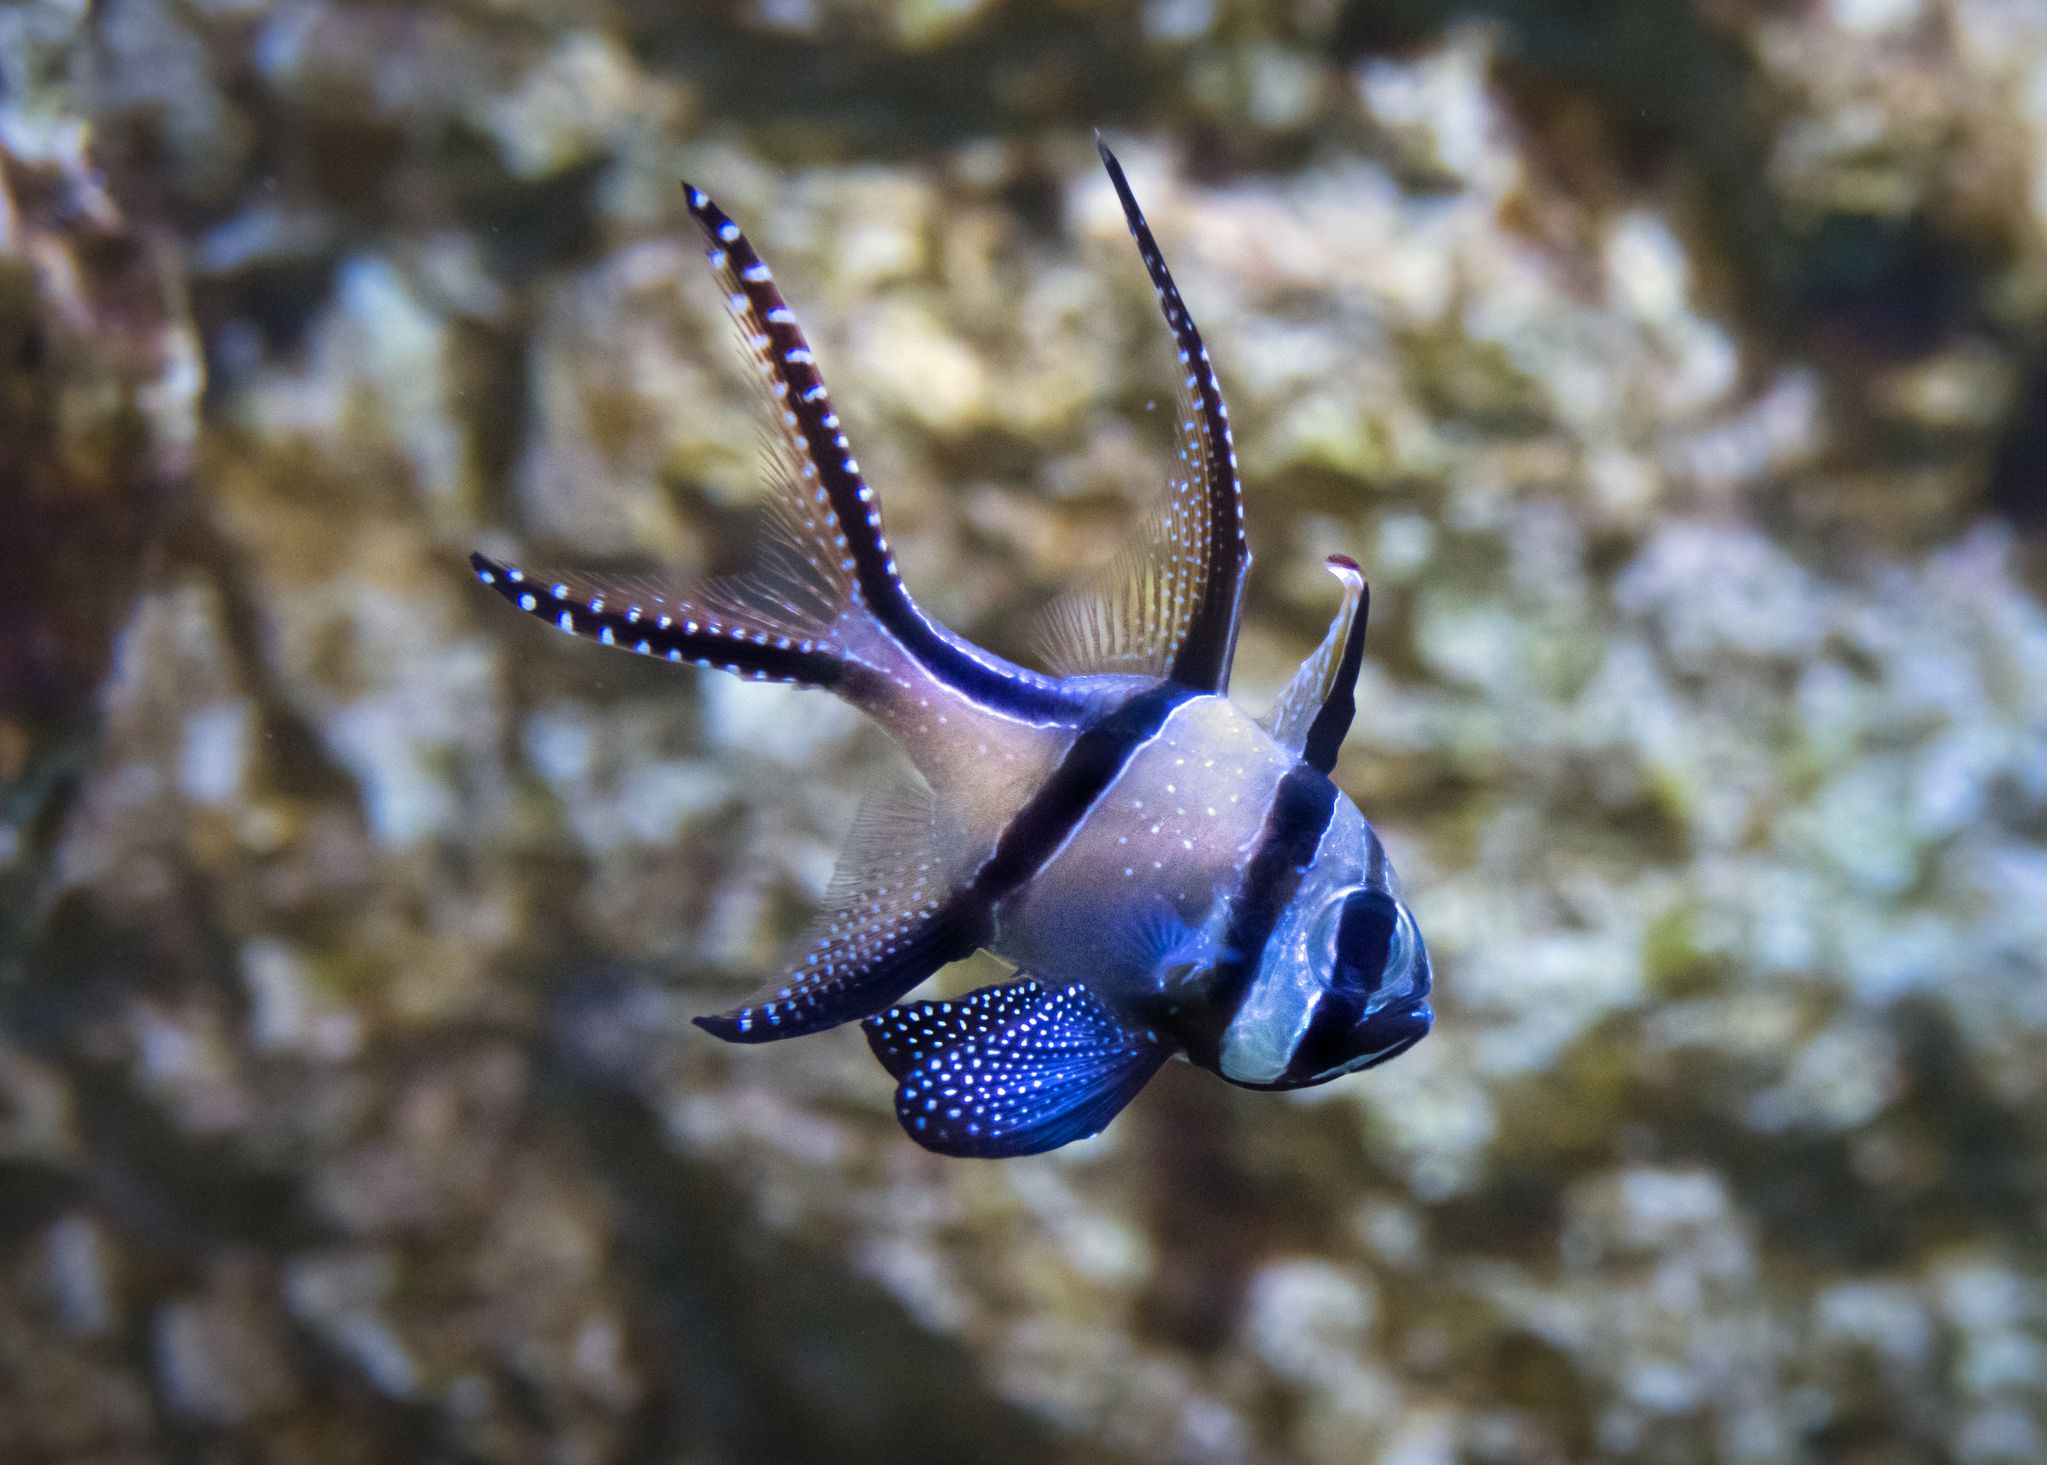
x=1678 y=369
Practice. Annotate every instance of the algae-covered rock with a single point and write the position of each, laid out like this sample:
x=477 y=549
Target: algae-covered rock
x=1675 y=370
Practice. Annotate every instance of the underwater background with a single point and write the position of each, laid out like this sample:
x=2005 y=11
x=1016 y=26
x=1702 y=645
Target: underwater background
x=1676 y=368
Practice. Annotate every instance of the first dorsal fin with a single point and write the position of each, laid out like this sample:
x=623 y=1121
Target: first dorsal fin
x=1172 y=608
x=1315 y=711
x=1011 y=1070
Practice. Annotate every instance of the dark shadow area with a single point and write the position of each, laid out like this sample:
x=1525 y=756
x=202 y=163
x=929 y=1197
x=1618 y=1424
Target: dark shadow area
x=770 y=1350
x=1022 y=66
x=2018 y=473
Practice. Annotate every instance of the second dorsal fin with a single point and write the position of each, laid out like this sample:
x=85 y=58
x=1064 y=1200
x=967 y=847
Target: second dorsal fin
x=1169 y=608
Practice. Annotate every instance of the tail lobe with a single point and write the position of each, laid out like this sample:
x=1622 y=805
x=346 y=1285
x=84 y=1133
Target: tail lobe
x=706 y=629
x=818 y=460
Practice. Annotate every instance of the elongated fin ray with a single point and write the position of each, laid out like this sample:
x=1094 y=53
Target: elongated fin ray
x=885 y=927
x=812 y=443
x=1181 y=612
x=1315 y=711
x=1017 y=1079
x=752 y=628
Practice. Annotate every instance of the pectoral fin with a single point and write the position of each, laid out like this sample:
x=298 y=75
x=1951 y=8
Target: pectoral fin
x=1011 y=1070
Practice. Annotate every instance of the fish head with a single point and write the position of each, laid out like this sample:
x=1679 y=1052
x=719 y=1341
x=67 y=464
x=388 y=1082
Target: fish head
x=1342 y=982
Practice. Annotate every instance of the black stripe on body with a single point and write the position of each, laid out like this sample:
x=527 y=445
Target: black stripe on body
x=834 y=475
x=688 y=636
x=1204 y=655
x=1089 y=767
x=965 y=922
x=1301 y=810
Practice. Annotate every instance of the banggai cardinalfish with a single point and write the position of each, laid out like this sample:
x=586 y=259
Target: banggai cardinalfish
x=1166 y=874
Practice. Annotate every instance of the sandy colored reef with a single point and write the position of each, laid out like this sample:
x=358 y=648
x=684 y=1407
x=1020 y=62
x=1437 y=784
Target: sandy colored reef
x=1676 y=368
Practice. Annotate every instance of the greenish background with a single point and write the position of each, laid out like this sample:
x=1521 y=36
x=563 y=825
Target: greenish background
x=1678 y=370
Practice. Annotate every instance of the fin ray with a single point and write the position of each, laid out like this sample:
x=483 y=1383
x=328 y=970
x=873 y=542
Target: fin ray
x=885 y=926
x=712 y=627
x=1177 y=616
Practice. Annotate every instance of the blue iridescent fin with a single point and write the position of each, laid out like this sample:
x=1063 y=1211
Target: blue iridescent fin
x=828 y=479
x=888 y=923
x=1315 y=711
x=1175 y=608
x=904 y=1037
x=1014 y=1082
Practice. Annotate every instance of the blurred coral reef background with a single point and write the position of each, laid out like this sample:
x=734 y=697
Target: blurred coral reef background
x=1678 y=369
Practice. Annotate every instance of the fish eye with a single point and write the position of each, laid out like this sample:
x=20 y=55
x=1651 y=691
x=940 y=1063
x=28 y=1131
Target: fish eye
x=1375 y=947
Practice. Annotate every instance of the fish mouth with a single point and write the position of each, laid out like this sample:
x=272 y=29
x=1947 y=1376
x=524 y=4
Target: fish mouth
x=1413 y=1023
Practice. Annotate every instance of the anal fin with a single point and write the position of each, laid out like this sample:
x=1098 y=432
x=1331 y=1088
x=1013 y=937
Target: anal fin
x=888 y=923
x=1012 y=1070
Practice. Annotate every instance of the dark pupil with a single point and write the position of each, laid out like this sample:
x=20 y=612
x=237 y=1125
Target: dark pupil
x=1365 y=939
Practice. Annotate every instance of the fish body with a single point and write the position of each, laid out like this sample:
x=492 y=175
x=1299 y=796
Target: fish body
x=1167 y=874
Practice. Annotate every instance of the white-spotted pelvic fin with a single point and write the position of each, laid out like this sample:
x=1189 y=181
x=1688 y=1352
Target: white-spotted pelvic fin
x=1315 y=711
x=906 y=1036
x=1011 y=1070
x=1169 y=607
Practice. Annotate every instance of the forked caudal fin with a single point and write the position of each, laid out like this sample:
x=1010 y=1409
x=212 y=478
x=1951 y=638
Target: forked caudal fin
x=828 y=478
x=828 y=563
